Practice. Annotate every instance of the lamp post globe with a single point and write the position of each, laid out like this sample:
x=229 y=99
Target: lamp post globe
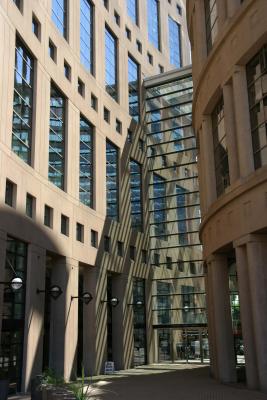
x=55 y=291
x=16 y=283
x=139 y=303
x=87 y=297
x=114 y=301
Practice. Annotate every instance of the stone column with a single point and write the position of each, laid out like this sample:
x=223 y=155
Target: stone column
x=242 y=122
x=257 y=256
x=199 y=35
x=34 y=315
x=230 y=130
x=90 y=278
x=223 y=331
x=222 y=14
x=207 y=157
x=3 y=238
x=246 y=317
x=64 y=318
x=232 y=7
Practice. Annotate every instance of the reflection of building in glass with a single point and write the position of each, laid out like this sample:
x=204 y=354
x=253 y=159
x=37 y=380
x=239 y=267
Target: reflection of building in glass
x=178 y=293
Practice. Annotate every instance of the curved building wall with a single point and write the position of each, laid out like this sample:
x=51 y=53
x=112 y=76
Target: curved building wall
x=228 y=40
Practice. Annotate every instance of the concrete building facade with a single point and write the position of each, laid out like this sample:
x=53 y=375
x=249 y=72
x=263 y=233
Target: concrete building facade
x=228 y=39
x=73 y=163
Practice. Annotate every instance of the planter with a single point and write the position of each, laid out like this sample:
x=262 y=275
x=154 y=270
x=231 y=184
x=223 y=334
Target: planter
x=36 y=388
x=4 y=389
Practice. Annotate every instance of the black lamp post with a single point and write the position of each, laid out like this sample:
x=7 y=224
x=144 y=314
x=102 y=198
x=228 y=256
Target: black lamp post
x=85 y=297
x=114 y=301
x=54 y=291
x=16 y=283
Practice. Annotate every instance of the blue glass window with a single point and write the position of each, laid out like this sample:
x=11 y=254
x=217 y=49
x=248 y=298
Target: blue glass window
x=181 y=214
x=22 y=103
x=136 y=194
x=133 y=85
x=112 y=181
x=57 y=138
x=86 y=162
x=111 y=64
x=86 y=34
x=159 y=194
x=132 y=10
x=175 y=43
x=153 y=22
x=59 y=15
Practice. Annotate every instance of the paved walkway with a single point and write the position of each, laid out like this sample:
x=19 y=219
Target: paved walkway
x=165 y=382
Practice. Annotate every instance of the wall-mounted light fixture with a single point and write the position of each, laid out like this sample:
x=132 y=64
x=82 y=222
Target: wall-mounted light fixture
x=54 y=291
x=16 y=283
x=85 y=297
x=114 y=301
x=138 y=303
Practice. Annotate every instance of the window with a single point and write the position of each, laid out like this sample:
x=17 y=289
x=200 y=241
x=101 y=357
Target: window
x=159 y=194
x=136 y=194
x=57 y=138
x=86 y=182
x=132 y=253
x=106 y=4
x=18 y=4
x=192 y=268
x=120 y=248
x=175 y=43
x=64 y=225
x=59 y=16
x=132 y=9
x=22 y=103
x=150 y=58
x=180 y=265
x=36 y=27
x=94 y=238
x=87 y=35
x=106 y=115
x=48 y=216
x=181 y=215
x=141 y=144
x=112 y=187
x=111 y=68
x=179 y=9
x=156 y=259
x=139 y=46
x=10 y=196
x=107 y=244
x=118 y=125
x=220 y=148
x=94 y=102
x=134 y=88
x=117 y=18
x=30 y=205
x=164 y=302
x=128 y=33
x=144 y=256
x=153 y=22
x=169 y=262
x=256 y=78
x=52 y=51
x=67 y=70
x=129 y=136
x=161 y=69
x=79 y=232
x=81 y=87
x=211 y=20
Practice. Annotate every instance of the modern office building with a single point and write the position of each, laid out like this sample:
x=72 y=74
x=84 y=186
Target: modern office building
x=229 y=53
x=74 y=223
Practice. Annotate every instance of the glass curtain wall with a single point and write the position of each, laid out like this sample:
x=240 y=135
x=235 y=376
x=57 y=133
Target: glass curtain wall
x=59 y=16
x=12 y=331
x=23 y=103
x=111 y=64
x=86 y=162
x=136 y=194
x=178 y=291
x=57 y=138
x=112 y=182
x=86 y=34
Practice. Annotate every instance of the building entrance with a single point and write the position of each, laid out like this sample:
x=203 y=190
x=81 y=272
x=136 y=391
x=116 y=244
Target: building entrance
x=183 y=345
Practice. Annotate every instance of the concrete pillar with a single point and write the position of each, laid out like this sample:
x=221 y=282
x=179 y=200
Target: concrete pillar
x=90 y=277
x=64 y=318
x=232 y=7
x=247 y=317
x=257 y=256
x=230 y=130
x=3 y=238
x=34 y=312
x=224 y=342
x=206 y=148
x=199 y=35
x=222 y=14
x=242 y=122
